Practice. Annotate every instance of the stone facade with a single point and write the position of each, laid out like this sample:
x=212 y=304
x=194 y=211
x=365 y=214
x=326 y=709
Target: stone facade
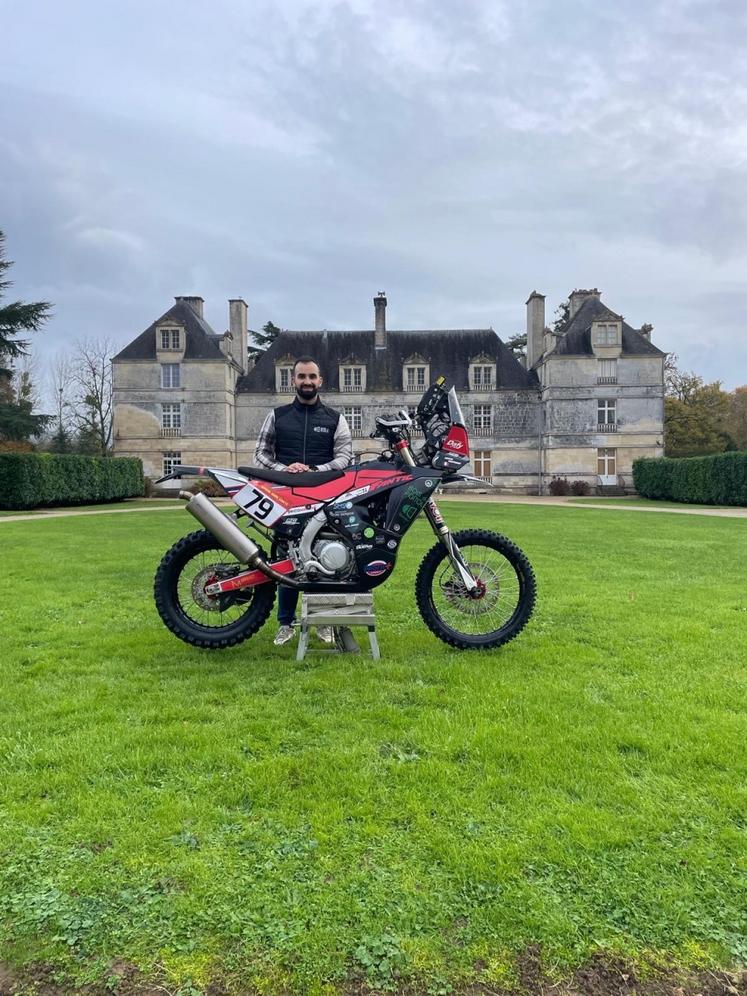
x=526 y=425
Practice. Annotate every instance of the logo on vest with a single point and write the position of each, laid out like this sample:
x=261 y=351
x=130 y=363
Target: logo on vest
x=321 y=428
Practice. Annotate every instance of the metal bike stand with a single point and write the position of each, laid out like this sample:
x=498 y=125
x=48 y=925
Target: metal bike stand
x=339 y=611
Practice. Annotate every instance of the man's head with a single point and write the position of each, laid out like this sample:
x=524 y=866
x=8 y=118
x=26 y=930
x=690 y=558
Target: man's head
x=306 y=379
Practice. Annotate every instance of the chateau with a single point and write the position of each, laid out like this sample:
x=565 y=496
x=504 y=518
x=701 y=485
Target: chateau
x=585 y=403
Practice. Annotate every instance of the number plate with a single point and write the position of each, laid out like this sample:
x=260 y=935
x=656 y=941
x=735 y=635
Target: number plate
x=262 y=504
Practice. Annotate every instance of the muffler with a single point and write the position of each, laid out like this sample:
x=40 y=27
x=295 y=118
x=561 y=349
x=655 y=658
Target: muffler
x=224 y=529
x=230 y=537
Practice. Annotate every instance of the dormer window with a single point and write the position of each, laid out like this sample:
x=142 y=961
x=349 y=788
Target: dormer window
x=283 y=378
x=482 y=376
x=170 y=338
x=415 y=376
x=352 y=378
x=607 y=333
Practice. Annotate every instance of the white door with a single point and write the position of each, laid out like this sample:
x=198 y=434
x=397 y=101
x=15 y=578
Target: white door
x=607 y=466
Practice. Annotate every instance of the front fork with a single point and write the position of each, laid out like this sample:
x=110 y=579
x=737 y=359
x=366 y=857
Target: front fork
x=442 y=531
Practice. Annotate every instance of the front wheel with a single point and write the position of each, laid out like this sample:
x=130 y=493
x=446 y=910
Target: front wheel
x=497 y=611
x=195 y=561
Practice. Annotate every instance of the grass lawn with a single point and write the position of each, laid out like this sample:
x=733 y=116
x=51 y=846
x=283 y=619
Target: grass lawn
x=240 y=816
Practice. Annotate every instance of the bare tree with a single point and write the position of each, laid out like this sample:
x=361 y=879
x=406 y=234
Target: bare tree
x=60 y=390
x=91 y=408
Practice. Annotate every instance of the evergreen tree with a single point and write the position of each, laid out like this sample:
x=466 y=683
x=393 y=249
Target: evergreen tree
x=518 y=344
x=17 y=418
x=562 y=316
x=261 y=341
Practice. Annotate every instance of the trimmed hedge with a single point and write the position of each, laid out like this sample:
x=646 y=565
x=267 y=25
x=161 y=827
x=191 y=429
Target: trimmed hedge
x=28 y=480
x=709 y=480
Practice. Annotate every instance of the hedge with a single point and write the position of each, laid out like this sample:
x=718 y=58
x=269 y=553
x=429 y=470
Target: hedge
x=709 y=480
x=28 y=480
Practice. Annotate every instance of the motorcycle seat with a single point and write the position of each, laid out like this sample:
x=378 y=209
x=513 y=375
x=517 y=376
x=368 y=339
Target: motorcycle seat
x=307 y=479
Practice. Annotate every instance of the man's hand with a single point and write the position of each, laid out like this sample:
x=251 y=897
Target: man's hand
x=296 y=468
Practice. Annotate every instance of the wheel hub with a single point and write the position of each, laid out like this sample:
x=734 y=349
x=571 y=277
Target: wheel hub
x=208 y=575
x=480 y=599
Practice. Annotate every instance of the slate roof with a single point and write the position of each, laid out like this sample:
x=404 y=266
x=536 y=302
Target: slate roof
x=575 y=337
x=448 y=351
x=201 y=344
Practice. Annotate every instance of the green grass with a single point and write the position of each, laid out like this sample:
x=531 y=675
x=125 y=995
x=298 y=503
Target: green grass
x=240 y=815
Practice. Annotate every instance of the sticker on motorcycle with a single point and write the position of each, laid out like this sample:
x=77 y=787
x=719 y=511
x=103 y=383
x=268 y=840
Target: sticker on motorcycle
x=457 y=440
x=376 y=568
x=263 y=504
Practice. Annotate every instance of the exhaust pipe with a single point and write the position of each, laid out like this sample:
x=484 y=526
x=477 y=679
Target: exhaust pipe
x=230 y=537
x=224 y=529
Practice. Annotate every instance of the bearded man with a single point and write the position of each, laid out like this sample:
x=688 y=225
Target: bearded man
x=302 y=436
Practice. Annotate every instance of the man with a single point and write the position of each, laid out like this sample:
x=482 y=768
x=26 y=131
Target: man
x=304 y=435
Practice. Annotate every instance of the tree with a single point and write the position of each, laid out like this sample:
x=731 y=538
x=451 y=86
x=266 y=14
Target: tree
x=92 y=404
x=60 y=383
x=562 y=316
x=695 y=414
x=518 y=344
x=18 y=421
x=736 y=419
x=261 y=341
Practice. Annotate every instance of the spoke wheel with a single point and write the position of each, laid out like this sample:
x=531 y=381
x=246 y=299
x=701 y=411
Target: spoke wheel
x=497 y=611
x=203 y=620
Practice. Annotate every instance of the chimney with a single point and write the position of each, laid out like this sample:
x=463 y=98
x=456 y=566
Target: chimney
x=535 y=328
x=646 y=331
x=380 y=327
x=238 y=327
x=577 y=297
x=195 y=303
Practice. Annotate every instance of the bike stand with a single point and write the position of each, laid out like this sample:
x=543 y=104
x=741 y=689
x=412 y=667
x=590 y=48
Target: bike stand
x=339 y=611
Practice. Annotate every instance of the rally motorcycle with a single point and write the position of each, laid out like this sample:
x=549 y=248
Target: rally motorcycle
x=340 y=531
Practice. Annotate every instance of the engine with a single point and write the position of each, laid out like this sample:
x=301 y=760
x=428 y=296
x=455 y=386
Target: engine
x=333 y=555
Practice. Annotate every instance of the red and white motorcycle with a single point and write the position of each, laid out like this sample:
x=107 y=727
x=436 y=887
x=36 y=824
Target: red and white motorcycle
x=340 y=531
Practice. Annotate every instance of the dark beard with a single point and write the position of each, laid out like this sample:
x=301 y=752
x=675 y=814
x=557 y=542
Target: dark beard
x=307 y=392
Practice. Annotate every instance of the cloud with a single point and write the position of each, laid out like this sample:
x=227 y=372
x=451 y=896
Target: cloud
x=306 y=153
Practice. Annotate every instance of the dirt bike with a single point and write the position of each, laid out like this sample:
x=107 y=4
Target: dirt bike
x=340 y=531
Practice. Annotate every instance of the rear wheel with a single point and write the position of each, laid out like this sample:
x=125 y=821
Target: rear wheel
x=203 y=620
x=488 y=617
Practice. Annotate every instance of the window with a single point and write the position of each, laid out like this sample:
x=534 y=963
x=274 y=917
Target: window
x=606 y=462
x=354 y=416
x=607 y=372
x=606 y=415
x=170 y=339
x=415 y=378
x=482 y=463
x=483 y=420
x=171 y=416
x=171 y=460
x=352 y=378
x=606 y=334
x=284 y=379
x=170 y=375
x=482 y=378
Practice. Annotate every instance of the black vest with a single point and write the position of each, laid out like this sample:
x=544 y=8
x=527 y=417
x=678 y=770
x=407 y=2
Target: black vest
x=305 y=433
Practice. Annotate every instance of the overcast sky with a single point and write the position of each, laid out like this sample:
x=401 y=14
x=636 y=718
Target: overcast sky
x=305 y=154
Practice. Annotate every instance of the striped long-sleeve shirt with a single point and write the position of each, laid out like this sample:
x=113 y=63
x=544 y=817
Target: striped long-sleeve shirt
x=264 y=455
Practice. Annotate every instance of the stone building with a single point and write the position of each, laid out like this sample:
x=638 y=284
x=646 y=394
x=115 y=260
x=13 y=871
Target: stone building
x=587 y=401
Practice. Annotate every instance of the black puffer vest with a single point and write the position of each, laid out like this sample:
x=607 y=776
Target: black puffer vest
x=305 y=433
